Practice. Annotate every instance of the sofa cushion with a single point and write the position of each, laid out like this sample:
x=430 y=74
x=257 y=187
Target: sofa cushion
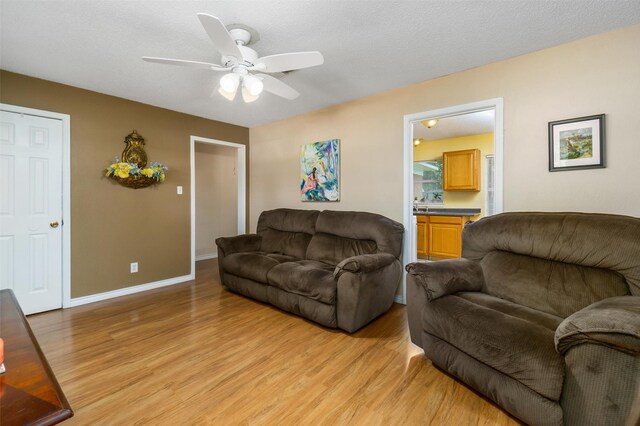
x=308 y=278
x=332 y=249
x=252 y=265
x=281 y=258
x=513 y=309
x=601 y=241
x=284 y=242
x=516 y=342
x=286 y=231
x=313 y=310
x=342 y=234
x=546 y=285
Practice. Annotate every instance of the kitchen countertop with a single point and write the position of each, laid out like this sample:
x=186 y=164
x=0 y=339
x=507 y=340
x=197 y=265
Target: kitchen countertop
x=447 y=212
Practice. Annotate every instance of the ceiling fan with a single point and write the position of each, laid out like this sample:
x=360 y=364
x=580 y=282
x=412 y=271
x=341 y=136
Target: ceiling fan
x=242 y=65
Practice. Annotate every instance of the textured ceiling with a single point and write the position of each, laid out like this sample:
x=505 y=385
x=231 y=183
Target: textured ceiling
x=369 y=46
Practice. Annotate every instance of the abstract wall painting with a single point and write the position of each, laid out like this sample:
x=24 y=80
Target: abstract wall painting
x=577 y=143
x=320 y=171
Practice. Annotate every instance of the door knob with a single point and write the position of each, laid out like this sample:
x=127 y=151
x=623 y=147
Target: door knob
x=53 y=224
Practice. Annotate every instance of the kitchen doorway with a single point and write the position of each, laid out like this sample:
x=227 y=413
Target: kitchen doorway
x=460 y=144
x=469 y=185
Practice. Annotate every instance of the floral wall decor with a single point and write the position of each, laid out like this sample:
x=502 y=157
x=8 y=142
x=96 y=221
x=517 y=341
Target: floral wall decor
x=132 y=171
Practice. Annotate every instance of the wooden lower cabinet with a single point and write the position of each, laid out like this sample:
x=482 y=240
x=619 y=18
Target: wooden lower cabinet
x=445 y=236
x=423 y=232
x=440 y=237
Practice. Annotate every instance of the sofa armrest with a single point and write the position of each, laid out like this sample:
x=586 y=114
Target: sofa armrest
x=612 y=322
x=363 y=263
x=238 y=244
x=365 y=295
x=447 y=276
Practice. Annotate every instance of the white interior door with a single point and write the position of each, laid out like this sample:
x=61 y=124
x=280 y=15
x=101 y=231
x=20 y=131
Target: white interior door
x=31 y=210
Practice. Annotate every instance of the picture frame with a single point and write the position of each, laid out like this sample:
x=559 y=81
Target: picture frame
x=577 y=143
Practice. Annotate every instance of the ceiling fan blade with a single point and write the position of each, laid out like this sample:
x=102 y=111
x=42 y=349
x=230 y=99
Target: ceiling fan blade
x=184 y=63
x=289 y=61
x=221 y=38
x=275 y=86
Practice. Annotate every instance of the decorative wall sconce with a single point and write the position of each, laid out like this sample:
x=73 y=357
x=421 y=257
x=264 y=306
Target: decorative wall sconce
x=132 y=170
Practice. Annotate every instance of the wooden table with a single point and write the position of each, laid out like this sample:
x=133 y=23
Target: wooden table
x=29 y=391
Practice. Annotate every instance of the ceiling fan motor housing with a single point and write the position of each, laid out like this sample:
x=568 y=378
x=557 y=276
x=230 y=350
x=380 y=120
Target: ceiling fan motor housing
x=240 y=35
x=248 y=57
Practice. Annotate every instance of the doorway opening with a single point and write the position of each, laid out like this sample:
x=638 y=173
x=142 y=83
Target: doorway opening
x=452 y=160
x=218 y=194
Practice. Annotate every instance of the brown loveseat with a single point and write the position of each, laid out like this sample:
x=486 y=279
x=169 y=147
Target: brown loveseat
x=339 y=269
x=541 y=315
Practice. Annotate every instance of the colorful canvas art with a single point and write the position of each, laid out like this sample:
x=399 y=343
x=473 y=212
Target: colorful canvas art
x=320 y=171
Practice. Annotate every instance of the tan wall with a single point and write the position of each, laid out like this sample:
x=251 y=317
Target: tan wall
x=216 y=196
x=113 y=226
x=589 y=76
x=432 y=150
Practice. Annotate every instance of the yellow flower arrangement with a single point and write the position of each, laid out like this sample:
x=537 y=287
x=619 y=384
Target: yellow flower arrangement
x=148 y=172
x=123 y=170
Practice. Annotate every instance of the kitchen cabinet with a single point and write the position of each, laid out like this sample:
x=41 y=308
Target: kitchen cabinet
x=445 y=236
x=422 y=231
x=440 y=237
x=461 y=170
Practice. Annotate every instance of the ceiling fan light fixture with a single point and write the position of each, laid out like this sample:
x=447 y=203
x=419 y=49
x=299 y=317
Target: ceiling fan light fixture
x=253 y=85
x=230 y=82
x=247 y=96
x=238 y=60
x=430 y=123
x=229 y=95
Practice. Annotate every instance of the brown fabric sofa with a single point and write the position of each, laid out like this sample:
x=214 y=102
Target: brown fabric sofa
x=541 y=315
x=339 y=269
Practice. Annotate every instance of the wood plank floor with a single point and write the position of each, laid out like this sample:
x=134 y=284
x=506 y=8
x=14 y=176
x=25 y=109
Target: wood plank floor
x=195 y=353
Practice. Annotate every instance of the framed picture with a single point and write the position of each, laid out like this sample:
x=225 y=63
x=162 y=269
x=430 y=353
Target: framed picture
x=320 y=171
x=577 y=143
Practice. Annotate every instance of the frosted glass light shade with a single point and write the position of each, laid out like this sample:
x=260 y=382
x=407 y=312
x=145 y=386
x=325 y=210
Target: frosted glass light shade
x=247 y=96
x=429 y=123
x=229 y=95
x=253 y=84
x=229 y=82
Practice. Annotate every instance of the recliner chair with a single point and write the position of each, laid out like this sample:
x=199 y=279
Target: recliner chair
x=541 y=315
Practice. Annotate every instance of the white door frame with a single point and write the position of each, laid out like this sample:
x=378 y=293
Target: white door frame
x=241 y=167
x=409 y=249
x=66 y=190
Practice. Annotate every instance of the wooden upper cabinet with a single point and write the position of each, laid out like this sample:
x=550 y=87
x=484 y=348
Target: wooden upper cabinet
x=461 y=170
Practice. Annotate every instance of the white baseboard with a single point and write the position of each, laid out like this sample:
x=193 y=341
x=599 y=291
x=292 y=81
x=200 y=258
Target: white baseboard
x=398 y=299
x=127 y=290
x=207 y=256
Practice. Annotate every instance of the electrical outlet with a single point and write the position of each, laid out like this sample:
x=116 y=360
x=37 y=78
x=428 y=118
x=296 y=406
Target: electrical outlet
x=134 y=267
x=179 y=190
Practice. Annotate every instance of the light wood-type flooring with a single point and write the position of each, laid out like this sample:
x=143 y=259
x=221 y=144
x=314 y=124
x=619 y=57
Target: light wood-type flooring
x=195 y=353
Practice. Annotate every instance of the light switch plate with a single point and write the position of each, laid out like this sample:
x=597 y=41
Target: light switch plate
x=179 y=190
